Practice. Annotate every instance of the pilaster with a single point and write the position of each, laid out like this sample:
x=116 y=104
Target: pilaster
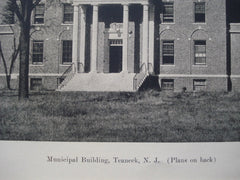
x=94 y=42
x=151 y=38
x=145 y=46
x=75 y=36
x=125 y=37
x=82 y=37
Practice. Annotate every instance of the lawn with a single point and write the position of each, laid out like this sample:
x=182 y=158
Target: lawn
x=148 y=116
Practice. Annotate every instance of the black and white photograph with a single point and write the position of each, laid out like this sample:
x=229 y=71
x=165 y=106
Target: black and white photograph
x=129 y=89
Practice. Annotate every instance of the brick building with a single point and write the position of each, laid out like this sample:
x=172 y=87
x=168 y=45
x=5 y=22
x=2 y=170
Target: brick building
x=118 y=45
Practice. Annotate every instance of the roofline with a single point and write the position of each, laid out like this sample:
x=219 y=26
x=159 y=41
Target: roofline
x=99 y=2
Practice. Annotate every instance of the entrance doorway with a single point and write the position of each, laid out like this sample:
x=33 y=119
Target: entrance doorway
x=115 y=59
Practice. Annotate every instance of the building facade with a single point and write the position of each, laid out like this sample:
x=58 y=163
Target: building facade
x=235 y=56
x=103 y=45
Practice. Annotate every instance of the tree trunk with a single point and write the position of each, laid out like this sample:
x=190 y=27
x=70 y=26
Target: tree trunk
x=8 y=79
x=23 y=92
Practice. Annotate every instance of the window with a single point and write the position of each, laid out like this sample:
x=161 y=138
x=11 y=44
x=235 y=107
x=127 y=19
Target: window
x=168 y=52
x=167 y=84
x=199 y=9
x=168 y=12
x=199 y=84
x=66 y=51
x=67 y=13
x=35 y=84
x=200 y=52
x=115 y=42
x=37 y=54
x=39 y=14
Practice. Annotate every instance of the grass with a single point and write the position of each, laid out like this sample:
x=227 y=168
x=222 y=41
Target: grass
x=148 y=116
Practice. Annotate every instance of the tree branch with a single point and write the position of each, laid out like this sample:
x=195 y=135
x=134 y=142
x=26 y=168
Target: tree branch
x=16 y=9
x=35 y=4
x=4 y=60
x=14 y=56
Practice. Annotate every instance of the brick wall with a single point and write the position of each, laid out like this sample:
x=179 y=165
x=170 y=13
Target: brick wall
x=184 y=31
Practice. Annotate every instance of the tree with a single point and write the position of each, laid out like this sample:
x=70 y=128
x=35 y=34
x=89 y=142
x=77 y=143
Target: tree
x=13 y=58
x=23 y=9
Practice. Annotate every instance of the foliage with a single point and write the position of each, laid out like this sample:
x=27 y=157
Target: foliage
x=8 y=13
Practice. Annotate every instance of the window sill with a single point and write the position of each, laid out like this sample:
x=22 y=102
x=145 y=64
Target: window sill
x=67 y=24
x=38 y=24
x=7 y=25
x=168 y=65
x=168 y=23
x=36 y=64
x=202 y=23
x=200 y=65
x=66 y=64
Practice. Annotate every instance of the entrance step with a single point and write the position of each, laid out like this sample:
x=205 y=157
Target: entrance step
x=100 y=82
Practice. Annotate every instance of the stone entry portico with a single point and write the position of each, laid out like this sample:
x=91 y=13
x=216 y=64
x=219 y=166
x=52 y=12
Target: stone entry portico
x=116 y=30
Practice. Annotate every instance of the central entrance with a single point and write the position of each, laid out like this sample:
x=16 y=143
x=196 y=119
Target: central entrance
x=115 y=56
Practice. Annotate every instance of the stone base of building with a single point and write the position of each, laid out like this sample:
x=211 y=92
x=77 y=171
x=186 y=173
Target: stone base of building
x=125 y=82
x=235 y=83
x=193 y=83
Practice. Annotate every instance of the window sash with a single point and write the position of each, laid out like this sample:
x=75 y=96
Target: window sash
x=167 y=84
x=199 y=85
x=200 y=52
x=199 y=10
x=36 y=84
x=39 y=14
x=40 y=9
x=66 y=51
x=113 y=42
x=168 y=52
x=68 y=8
x=168 y=12
x=168 y=49
x=37 y=51
x=67 y=13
